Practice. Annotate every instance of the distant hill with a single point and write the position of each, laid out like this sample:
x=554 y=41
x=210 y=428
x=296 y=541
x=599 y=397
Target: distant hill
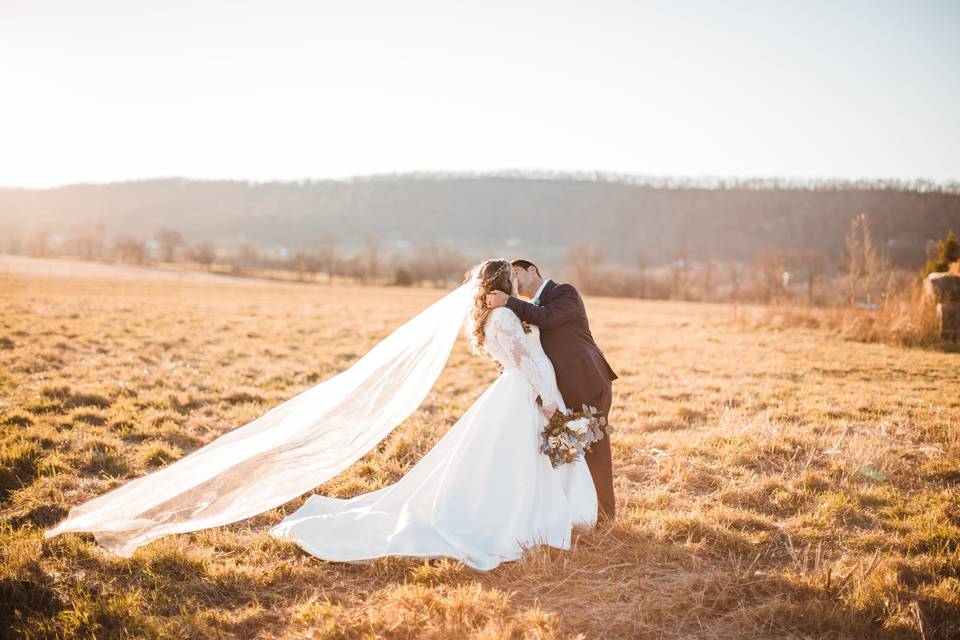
x=637 y=219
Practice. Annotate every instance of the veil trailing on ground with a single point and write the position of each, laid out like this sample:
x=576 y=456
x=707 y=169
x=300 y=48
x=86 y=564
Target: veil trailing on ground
x=287 y=451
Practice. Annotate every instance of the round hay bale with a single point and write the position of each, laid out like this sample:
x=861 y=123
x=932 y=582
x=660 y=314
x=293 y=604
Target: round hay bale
x=948 y=316
x=942 y=287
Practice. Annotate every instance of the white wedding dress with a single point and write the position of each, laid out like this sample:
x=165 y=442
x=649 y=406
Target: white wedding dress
x=482 y=494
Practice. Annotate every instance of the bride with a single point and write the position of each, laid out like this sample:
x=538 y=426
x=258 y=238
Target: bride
x=482 y=494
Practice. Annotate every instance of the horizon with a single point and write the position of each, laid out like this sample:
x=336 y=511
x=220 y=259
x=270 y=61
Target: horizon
x=665 y=181
x=107 y=92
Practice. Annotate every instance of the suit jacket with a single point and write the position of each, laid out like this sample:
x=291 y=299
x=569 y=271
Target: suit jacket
x=582 y=371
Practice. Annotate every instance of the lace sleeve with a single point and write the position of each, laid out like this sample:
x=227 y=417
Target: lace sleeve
x=508 y=333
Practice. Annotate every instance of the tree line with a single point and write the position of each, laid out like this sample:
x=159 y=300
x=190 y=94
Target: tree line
x=863 y=274
x=321 y=259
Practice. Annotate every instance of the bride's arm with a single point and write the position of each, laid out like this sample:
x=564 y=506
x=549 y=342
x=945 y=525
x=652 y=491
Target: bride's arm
x=508 y=333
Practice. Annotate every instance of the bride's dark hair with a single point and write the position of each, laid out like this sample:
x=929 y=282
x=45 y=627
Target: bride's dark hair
x=495 y=275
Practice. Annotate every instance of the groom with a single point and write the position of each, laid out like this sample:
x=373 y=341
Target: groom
x=583 y=374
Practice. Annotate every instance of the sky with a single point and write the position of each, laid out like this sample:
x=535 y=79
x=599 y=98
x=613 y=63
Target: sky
x=108 y=90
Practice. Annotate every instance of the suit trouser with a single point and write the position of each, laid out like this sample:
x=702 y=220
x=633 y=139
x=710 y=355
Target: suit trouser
x=599 y=459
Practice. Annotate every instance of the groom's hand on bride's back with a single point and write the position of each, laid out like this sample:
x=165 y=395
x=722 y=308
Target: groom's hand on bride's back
x=497 y=299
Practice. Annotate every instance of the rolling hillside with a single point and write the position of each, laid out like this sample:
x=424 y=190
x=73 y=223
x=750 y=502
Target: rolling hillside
x=647 y=221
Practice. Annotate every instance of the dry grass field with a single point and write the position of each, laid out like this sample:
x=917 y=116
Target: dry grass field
x=772 y=483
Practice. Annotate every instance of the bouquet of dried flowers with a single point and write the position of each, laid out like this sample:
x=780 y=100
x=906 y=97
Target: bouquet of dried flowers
x=568 y=435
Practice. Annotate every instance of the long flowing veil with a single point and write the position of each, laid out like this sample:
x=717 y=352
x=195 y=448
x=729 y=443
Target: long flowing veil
x=287 y=451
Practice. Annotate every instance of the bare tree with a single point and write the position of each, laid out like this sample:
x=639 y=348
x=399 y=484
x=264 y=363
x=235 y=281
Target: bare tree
x=85 y=241
x=403 y=277
x=680 y=269
x=736 y=279
x=38 y=244
x=769 y=269
x=372 y=256
x=325 y=250
x=708 y=270
x=247 y=256
x=299 y=263
x=867 y=269
x=169 y=240
x=815 y=264
x=202 y=253
x=128 y=248
x=439 y=261
x=352 y=266
x=853 y=243
x=643 y=284
x=582 y=260
x=12 y=240
x=313 y=264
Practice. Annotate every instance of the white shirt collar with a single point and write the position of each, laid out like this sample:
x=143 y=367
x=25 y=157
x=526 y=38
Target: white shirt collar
x=536 y=296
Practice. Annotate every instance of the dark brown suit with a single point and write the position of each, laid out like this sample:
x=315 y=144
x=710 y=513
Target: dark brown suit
x=583 y=374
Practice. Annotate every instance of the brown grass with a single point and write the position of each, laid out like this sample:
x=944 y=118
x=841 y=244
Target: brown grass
x=902 y=318
x=772 y=482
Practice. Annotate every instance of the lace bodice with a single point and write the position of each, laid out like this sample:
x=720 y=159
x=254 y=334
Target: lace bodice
x=506 y=341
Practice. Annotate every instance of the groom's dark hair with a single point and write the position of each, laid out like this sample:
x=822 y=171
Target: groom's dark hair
x=525 y=264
